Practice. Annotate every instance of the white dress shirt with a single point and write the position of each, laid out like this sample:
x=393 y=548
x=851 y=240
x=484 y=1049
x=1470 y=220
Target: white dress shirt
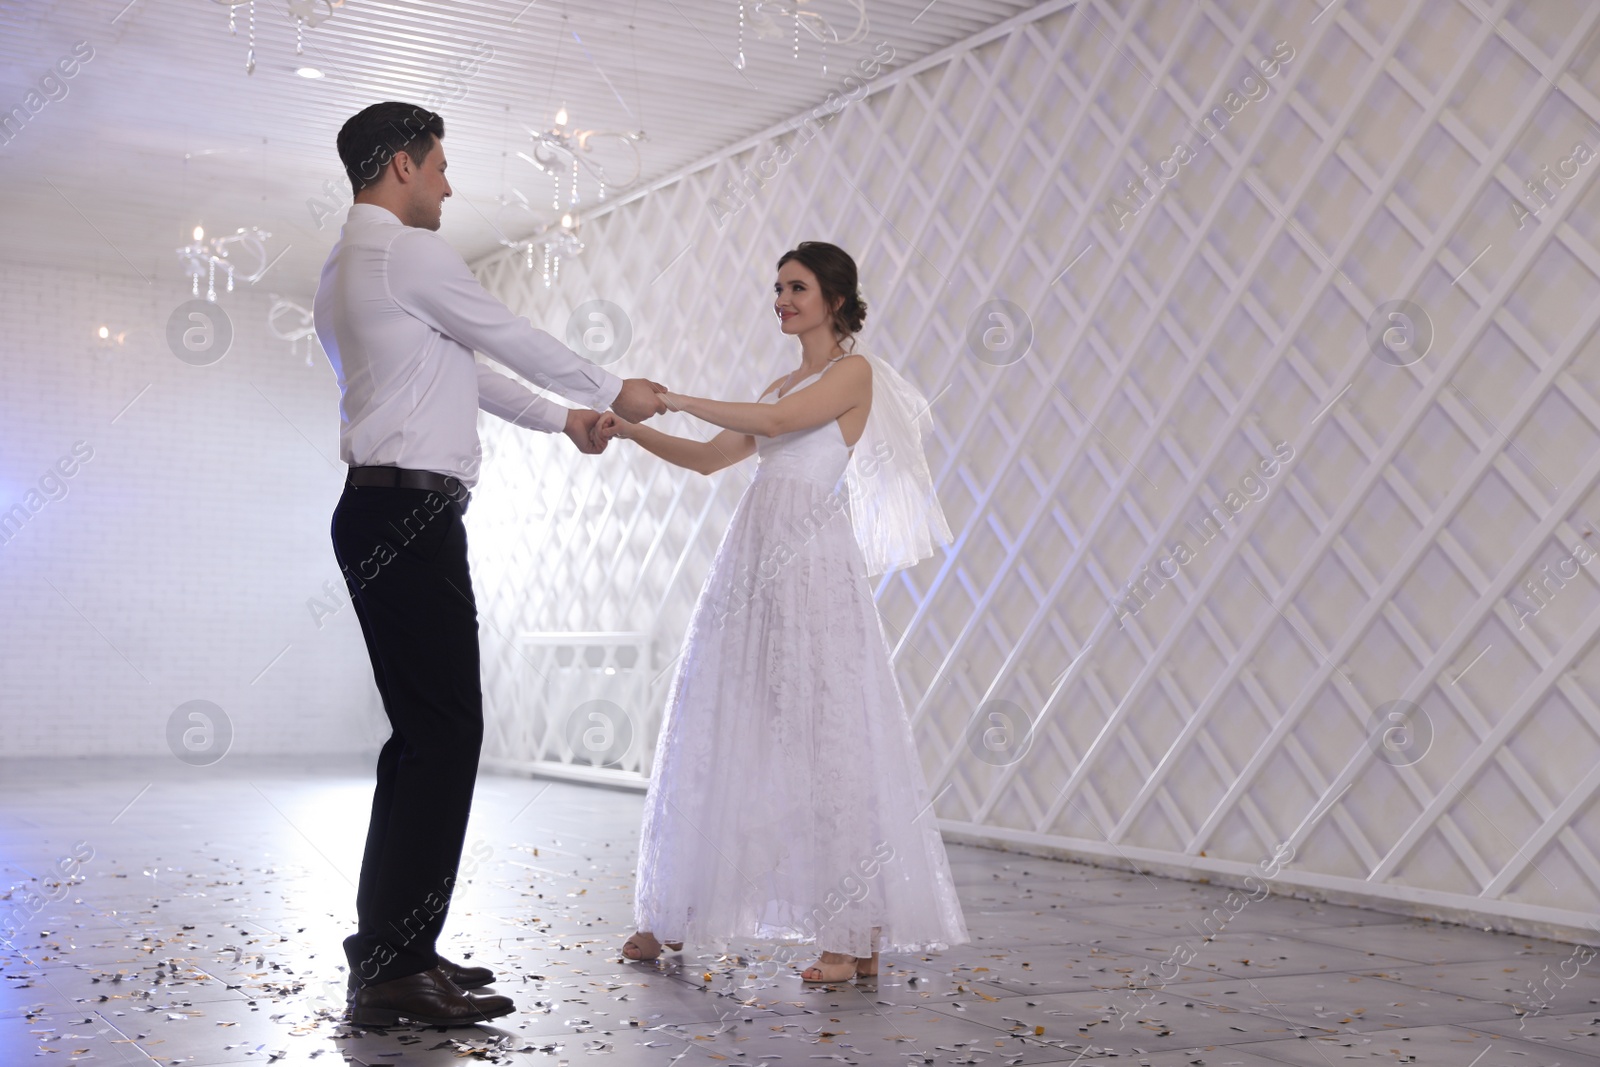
x=400 y=315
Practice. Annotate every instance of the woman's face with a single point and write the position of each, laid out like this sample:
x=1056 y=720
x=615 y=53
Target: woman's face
x=798 y=301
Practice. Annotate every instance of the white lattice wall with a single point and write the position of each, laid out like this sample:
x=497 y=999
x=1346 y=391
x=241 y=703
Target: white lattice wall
x=1384 y=482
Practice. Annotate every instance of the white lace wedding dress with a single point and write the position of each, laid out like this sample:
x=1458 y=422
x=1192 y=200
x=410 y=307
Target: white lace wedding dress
x=787 y=801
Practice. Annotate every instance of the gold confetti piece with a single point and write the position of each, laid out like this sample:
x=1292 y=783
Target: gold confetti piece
x=1038 y=1031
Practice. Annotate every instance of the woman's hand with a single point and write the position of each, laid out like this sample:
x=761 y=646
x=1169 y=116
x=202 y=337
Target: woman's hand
x=580 y=430
x=611 y=425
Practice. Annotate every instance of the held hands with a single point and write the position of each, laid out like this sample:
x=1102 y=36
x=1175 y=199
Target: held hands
x=580 y=430
x=591 y=431
x=610 y=425
x=639 y=399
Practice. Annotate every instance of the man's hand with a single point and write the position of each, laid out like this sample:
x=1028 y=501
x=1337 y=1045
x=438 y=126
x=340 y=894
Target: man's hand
x=639 y=399
x=580 y=430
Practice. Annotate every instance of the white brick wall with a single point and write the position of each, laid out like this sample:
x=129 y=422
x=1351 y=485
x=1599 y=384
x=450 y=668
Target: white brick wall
x=179 y=561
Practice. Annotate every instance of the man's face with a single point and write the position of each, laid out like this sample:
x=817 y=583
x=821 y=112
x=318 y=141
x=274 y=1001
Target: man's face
x=428 y=188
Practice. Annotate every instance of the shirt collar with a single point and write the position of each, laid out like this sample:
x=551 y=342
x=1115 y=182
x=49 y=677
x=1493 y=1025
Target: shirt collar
x=371 y=213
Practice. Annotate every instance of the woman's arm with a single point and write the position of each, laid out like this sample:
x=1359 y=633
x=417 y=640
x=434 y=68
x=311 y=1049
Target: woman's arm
x=702 y=457
x=847 y=386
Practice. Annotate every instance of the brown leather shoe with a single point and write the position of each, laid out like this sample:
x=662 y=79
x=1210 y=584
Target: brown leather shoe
x=466 y=977
x=428 y=998
x=463 y=977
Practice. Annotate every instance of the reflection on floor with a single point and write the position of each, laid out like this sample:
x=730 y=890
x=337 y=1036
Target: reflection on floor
x=202 y=919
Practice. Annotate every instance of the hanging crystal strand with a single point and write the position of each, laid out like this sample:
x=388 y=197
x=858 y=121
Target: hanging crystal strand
x=574 y=200
x=299 y=35
x=547 y=266
x=555 y=190
x=556 y=273
x=231 y=27
x=796 y=28
x=211 y=282
x=825 y=52
x=250 y=57
x=740 y=61
x=530 y=255
x=195 y=288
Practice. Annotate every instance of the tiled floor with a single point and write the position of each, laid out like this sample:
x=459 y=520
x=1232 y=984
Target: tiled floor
x=203 y=921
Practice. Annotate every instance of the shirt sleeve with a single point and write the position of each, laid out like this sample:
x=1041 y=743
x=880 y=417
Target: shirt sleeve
x=509 y=399
x=430 y=280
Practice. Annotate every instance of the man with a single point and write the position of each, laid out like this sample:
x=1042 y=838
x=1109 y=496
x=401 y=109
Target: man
x=400 y=315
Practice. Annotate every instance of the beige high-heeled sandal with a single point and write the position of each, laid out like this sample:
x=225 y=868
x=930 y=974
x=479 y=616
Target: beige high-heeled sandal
x=844 y=967
x=646 y=948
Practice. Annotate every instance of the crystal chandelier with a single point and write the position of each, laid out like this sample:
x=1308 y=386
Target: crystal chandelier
x=563 y=153
x=304 y=13
x=764 y=16
x=551 y=243
x=206 y=256
x=288 y=321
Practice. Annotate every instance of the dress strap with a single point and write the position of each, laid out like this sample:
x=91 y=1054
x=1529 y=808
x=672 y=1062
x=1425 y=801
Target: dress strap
x=831 y=362
x=782 y=386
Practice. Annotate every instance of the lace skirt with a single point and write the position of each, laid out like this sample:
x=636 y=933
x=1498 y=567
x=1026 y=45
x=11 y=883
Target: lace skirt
x=787 y=801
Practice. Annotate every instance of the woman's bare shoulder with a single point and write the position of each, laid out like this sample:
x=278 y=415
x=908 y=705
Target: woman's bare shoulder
x=857 y=368
x=857 y=361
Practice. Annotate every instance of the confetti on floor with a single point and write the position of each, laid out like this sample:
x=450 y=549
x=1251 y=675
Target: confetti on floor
x=206 y=926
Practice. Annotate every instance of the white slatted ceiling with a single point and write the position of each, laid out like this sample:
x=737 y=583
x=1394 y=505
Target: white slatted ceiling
x=98 y=180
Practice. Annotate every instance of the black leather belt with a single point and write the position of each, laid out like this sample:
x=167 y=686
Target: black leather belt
x=405 y=478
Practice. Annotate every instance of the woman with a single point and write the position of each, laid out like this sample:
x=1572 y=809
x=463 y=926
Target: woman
x=788 y=802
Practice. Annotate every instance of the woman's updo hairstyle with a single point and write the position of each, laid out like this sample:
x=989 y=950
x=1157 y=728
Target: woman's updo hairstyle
x=836 y=275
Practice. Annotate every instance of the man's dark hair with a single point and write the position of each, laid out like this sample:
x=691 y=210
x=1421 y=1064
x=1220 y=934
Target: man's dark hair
x=370 y=138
